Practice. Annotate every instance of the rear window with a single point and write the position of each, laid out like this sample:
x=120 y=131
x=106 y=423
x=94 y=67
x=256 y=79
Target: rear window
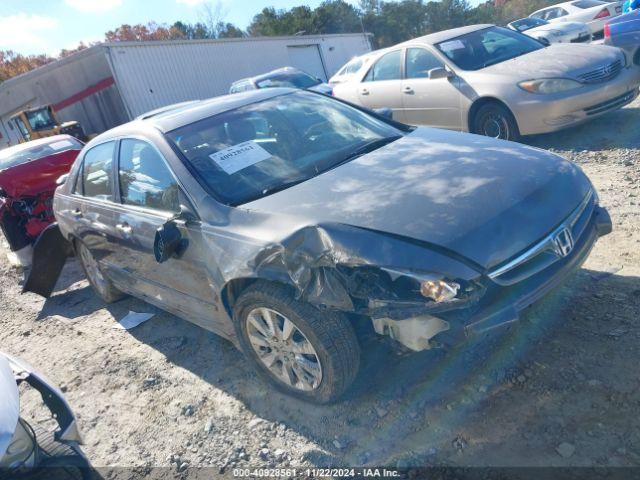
x=587 y=3
x=23 y=153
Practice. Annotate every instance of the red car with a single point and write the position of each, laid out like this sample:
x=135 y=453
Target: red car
x=28 y=174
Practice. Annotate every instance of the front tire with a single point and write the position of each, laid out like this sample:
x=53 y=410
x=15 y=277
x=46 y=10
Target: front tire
x=303 y=352
x=496 y=121
x=103 y=287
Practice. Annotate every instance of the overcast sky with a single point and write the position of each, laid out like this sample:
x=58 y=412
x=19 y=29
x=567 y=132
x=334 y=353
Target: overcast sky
x=46 y=26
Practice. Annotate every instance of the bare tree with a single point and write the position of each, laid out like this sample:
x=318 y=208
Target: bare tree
x=212 y=15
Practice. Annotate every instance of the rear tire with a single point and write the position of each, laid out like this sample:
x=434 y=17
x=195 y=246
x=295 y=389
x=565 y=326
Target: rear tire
x=496 y=121
x=103 y=287
x=303 y=352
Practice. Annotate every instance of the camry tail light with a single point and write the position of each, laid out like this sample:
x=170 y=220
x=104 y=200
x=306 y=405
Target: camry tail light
x=607 y=31
x=603 y=13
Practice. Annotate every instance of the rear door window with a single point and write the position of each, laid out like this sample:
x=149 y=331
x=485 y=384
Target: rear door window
x=388 y=67
x=97 y=180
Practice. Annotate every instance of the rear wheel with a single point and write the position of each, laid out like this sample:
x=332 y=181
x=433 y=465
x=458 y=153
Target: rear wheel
x=100 y=283
x=302 y=351
x=495 y=121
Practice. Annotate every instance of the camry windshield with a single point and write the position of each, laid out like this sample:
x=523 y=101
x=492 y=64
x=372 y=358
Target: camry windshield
x=13 y=156
x=525 y=24
x=264 y=147
x=482 y=48
x=289 y=79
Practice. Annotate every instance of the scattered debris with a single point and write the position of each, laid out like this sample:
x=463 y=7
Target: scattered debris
x=132 y=320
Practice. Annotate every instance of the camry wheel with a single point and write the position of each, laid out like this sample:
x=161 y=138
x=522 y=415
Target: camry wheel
x=495 y=121
x=304 y=352
x=100 y=284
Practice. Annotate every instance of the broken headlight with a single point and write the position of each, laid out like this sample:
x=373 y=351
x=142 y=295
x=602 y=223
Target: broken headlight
x=433 y=287
x=439 y=290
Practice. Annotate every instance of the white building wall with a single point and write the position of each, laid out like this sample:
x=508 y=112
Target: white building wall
x=150 y=75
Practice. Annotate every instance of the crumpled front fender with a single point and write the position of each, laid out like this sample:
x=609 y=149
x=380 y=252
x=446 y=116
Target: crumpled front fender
x=50 y=253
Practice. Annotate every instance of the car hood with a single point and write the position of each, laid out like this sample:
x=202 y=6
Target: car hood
x=481 y=198
x=36 y=176
x=558 y=60
x=9 y=404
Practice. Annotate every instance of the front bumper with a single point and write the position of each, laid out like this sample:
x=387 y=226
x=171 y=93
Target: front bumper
x=52 y=397
x=550 y=113
x=499 y=305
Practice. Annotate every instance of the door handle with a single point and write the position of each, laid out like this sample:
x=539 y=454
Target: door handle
x=76 y=213
x=124 y=228
x=364 y=91
x=407 y=89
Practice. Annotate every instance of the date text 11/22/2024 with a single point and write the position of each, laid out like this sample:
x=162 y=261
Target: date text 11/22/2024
x=315 y=472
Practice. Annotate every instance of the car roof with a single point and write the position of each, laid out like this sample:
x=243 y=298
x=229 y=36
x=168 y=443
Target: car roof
x=166 y=108
x=264 y=76
x=445 y=35
x=198 y=110
x=33 y=143
x=563 y=4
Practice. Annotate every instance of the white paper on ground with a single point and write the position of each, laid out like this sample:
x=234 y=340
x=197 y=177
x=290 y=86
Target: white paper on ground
x=243 y=155
x=132 y=320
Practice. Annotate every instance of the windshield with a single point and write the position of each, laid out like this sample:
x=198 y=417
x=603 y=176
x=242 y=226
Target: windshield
x=525 y=24
x=486 y=47
x=247 y=153
x=41 y=119
x=22 y=153
x=289 y=79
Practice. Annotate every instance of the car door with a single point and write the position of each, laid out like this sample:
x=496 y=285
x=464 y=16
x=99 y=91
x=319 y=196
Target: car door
x=90 y=209
x=381 y=86
x=150 y=195
x=429 y=101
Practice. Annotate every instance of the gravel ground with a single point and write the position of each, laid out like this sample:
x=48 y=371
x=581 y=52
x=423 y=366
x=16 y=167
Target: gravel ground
x=560 y=389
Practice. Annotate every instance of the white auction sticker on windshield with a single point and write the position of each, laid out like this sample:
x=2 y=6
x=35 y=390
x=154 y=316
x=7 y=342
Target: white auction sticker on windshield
x=237 y=157
x=452 y=45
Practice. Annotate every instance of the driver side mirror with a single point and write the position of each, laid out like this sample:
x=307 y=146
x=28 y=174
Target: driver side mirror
x=168 y=241
x=439 y=72
x=544 y=41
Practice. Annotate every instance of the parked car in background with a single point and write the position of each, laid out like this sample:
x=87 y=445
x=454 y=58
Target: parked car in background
x=30 y=450
x=624 y=32
x=352 y=67
x=546 y=32
x=494 y=81
x=595 y=13
x=268 y=217
x=28 y=175
x=282 y=77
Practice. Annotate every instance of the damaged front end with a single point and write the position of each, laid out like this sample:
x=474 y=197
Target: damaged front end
x=333 y=266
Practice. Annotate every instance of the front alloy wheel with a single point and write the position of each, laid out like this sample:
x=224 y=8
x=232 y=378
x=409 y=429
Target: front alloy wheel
x=299 y=349
x=284 y=349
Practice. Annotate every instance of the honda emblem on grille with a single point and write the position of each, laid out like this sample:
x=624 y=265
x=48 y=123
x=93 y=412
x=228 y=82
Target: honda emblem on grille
x=563 y=242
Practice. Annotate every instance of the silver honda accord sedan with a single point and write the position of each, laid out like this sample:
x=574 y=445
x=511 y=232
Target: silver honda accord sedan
x=494 y=81
x=287 y=221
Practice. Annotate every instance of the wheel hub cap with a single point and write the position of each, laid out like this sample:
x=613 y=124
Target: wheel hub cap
x=284 y=349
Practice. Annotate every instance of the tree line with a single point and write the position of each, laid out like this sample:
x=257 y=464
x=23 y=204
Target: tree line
x=390 y=22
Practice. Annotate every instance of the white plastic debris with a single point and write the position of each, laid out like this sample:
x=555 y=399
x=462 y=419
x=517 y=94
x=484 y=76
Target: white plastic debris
x=132 y=320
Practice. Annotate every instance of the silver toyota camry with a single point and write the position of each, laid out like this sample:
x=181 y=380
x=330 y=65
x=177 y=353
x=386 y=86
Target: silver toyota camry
x=494 y=81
